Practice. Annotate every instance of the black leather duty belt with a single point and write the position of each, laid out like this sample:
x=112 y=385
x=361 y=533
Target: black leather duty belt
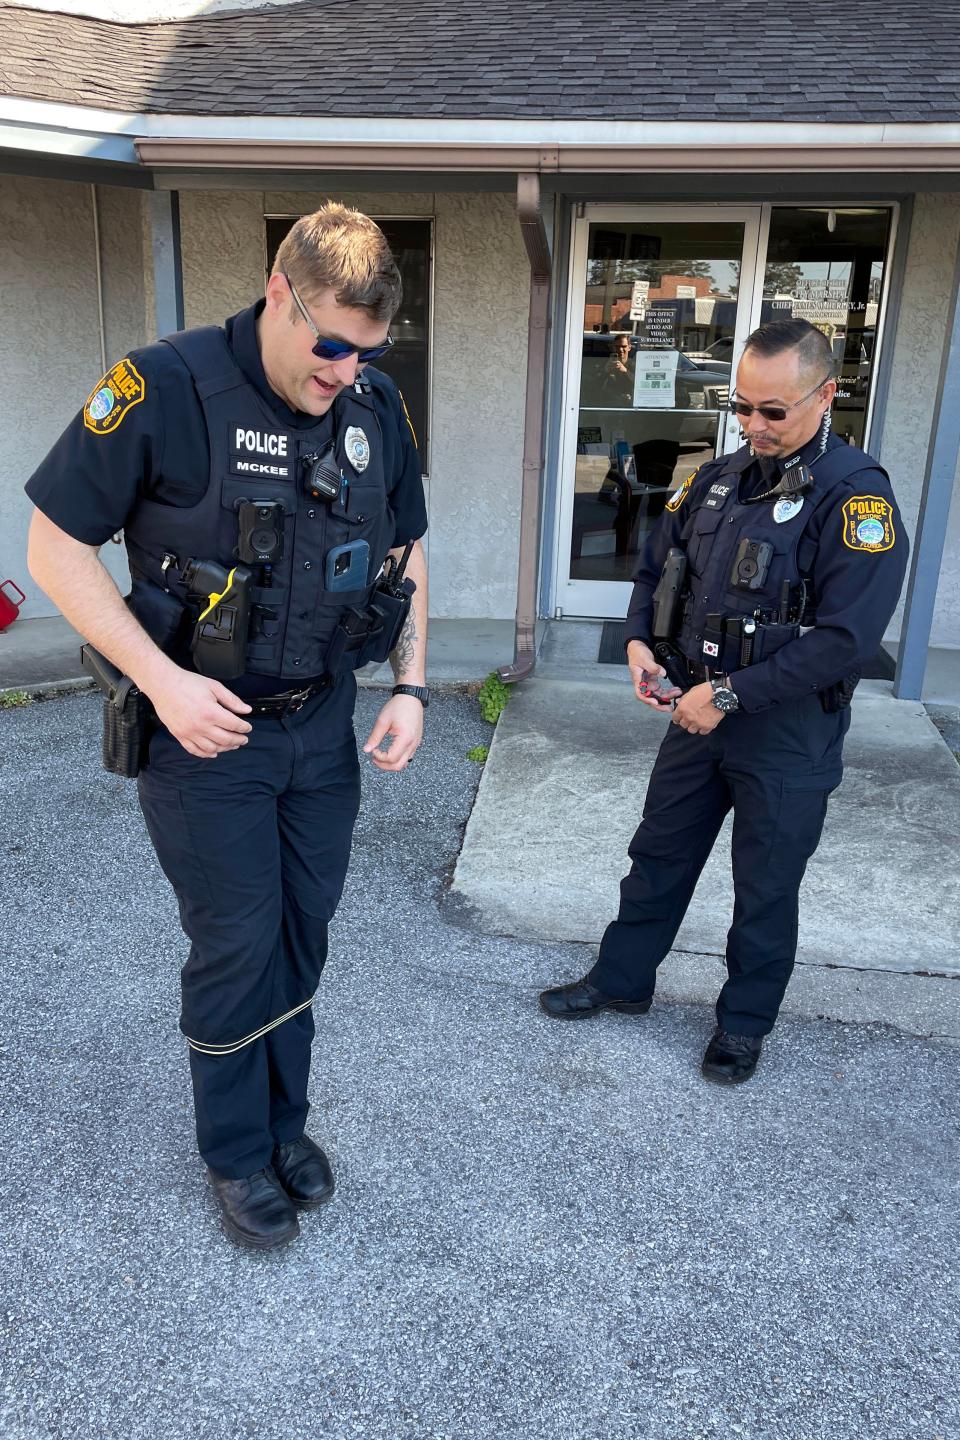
x=286 y=704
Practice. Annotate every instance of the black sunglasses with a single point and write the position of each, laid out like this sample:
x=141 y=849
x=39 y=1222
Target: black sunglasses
x=775 y=412
x=327 y=349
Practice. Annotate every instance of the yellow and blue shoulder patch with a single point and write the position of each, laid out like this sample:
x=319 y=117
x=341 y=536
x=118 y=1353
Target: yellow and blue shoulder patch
x=117 y=393
x=678 y=496
x=868 y=524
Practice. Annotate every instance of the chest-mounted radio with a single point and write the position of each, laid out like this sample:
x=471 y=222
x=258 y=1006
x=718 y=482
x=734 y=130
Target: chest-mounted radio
x=322 y=476
x=796 y=481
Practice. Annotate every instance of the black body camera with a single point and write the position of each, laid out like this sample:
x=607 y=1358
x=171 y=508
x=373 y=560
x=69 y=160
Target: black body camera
x=751 y=564
x=261 y=531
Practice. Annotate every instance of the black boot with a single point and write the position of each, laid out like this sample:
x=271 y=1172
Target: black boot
x=255 y=1210
x=304 y=1172
x=580 y=998
x=731 y=1059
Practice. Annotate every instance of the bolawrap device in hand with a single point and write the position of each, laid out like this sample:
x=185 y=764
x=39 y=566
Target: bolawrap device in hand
x=660 y=688
x=261 y=531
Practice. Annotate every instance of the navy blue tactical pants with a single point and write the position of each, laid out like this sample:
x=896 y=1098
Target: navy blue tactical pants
x=776 y=770
x=255 y=844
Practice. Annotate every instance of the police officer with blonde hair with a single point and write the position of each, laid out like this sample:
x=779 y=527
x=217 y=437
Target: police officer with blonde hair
x=759 y=598
x=266 y=479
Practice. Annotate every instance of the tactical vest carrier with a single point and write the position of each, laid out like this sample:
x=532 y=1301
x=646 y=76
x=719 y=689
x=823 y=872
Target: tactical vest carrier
x=313 y=561
x=747 y=590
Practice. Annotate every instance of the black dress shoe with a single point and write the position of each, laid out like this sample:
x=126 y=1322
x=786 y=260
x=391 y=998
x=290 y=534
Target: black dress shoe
x=580 y=998
x=255 y=1210
x=731 y=1059
x=304 y=1172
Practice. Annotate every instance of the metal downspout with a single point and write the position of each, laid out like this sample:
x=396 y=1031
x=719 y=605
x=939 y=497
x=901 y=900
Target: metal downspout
x=98 y=270
x=538 y=329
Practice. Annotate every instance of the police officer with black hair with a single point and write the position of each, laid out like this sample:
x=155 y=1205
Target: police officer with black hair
x=760 y=596
x=268 y=486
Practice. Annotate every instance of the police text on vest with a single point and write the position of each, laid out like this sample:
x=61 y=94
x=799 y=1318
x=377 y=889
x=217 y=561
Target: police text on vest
x=260 y=442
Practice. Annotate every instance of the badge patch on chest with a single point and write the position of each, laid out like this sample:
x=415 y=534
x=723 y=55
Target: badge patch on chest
x=786 y=508
x=119 y=390
x=357 y=447
x=678 y=497
x=868 y=524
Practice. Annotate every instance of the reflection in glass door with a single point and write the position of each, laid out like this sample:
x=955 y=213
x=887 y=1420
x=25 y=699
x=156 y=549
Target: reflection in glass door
x=655 y=328
x=827 y=264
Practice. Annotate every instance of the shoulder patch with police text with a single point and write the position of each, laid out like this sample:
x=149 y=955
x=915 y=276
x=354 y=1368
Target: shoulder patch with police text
x=868 y=524
x=678 y=497
x=119 y=390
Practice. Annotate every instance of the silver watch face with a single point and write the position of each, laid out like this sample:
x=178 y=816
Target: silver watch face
x=725 y=700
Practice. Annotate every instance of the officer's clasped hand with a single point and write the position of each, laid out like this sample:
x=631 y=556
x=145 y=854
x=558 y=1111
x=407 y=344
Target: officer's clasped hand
x=696 y=712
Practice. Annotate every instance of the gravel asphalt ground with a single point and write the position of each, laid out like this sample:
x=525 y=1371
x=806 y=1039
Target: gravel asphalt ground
x=541 y=1231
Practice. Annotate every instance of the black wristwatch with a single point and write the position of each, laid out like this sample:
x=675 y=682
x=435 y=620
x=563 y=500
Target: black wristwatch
x=419 y=692
x=723 y=699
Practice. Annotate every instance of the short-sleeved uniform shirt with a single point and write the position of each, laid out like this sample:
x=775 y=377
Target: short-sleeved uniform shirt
x=92 y=479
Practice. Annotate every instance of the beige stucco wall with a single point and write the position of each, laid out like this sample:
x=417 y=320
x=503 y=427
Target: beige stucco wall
x=918 y=349
x=51 y=355
x=128 y=323
x=481 y=290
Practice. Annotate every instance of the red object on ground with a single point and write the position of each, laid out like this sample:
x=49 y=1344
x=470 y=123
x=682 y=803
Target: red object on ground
x=9 y=609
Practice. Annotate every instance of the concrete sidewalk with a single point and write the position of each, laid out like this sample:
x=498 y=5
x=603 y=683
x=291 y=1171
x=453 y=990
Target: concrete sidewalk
x=561 y=795
x=40 y=653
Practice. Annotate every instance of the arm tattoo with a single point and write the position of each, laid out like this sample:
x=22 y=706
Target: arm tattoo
x=405 y=648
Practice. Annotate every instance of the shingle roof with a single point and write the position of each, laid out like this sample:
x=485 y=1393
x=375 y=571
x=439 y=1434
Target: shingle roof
x=893 y=60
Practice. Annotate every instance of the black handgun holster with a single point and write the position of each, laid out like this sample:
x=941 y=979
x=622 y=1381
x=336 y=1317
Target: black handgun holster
x=126 y=715
x=837 y=697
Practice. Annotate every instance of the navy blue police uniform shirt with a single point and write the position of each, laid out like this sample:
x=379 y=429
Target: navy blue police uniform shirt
x=854 y=590
x=90 y=482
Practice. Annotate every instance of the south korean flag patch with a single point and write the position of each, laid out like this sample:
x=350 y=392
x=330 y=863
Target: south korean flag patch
x=357 y=447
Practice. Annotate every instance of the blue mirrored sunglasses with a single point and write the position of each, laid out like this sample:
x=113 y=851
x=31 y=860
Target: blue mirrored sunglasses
x=327 y=349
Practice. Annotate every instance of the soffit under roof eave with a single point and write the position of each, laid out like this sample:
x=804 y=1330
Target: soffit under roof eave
x=238 y=155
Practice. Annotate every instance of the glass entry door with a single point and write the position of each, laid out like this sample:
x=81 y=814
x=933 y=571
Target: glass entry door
x=655 y=328
x=827 y=264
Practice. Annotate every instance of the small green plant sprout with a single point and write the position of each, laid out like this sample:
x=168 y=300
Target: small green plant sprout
x=492 y=697
x=479 y=753
x=13 y=699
